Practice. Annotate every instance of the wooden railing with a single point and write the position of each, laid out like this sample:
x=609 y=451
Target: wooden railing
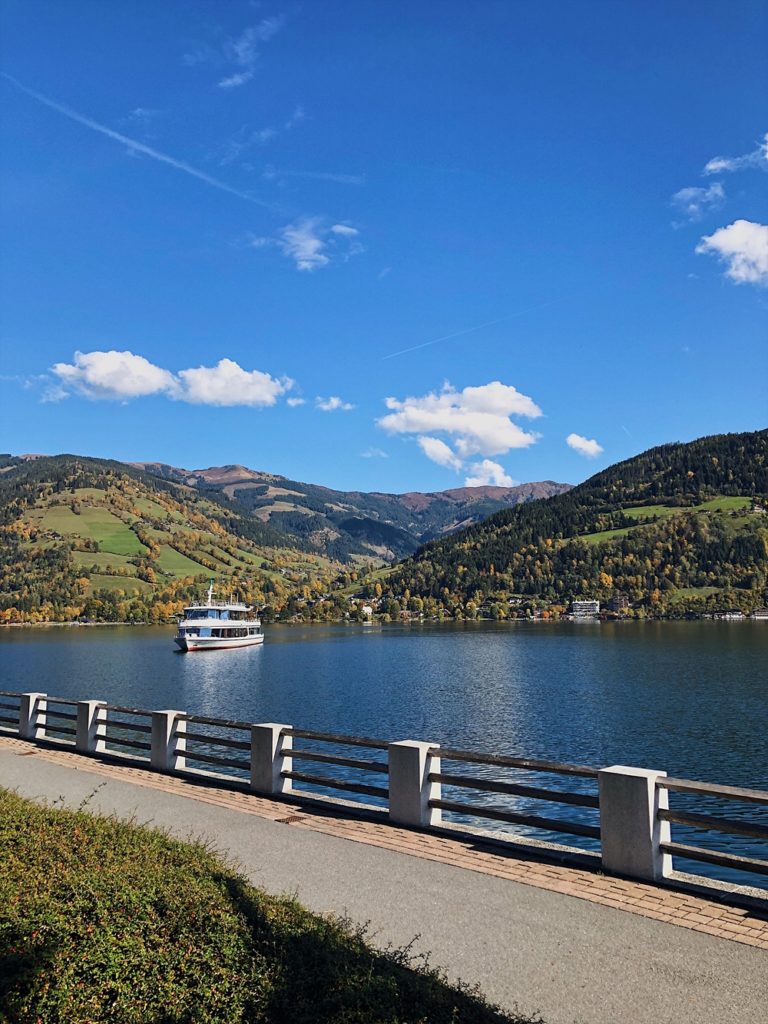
x=628 y=814
x=713 y=823
x=507 y=788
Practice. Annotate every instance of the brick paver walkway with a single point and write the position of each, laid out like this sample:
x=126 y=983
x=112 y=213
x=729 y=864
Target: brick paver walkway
x=703 y=913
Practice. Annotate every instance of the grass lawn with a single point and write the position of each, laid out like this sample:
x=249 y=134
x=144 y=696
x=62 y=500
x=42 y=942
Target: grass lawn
x=129 y=584
x=721 y=504
x=102 y=559
x=176 y=564
x=93 y=523
x=101 y=920
x=683 y=592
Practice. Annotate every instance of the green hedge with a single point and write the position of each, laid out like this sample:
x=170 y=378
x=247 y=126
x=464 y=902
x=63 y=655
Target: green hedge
x=101 y=920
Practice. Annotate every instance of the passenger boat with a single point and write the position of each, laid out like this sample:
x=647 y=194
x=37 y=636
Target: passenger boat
x=218 y=624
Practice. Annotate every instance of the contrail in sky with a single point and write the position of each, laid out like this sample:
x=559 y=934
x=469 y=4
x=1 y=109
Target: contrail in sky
x=132 y=144
x=467 y=330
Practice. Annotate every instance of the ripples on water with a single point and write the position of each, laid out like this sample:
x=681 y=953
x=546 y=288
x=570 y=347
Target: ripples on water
x=690 y=698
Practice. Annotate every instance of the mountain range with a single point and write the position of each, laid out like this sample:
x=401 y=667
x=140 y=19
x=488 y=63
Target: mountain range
x=345 y=523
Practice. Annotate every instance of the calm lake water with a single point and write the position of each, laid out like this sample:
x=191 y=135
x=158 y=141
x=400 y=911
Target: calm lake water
x=690 y=697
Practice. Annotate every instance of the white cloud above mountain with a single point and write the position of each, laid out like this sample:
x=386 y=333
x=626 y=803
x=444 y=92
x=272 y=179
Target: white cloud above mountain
x=479 y=419
x=584 y=446
x=438 y=451
x=743 y=247
x=122 y=376
x=113 y=376
x=476 y=421
x=488 y=474
x=227 y=383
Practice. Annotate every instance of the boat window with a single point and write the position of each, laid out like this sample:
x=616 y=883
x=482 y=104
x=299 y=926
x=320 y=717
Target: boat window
x=205 y=632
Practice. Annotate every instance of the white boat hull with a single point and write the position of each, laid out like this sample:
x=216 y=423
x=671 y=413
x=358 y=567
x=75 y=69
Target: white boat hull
x=214 y=643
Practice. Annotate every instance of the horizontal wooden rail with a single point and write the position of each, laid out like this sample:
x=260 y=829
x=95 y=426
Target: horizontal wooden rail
x=329 y=737
x=220 y=722
x=66 y=729
x=10 y=693
x=531 y=820
x=504 y=761
x=344 y=762
x=513 y=789
x=113 y=723
x=9 y=707
x=219 y=741
x=348 y=787
x=723 y=860
x=10 y=721
x=226 y=762
x=122 y=710
x=124 y=741
x=61 y=700
x=712 y=824
x=67 y=715
x=755 y=796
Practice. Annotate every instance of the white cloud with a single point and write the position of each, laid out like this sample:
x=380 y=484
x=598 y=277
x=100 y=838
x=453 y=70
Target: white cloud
x=695 y=202
x=233 y=81
x=374 y=453
x=114 y=376
x=332 y=404
x=479 y=418
x=121 y=376
x=757 y=158
x=488 y=473
x=294 y=402
x=311 y=244
x=582 y=445
x=227 y=383
x=743 y=247
x=439 y=452
x=240 y=52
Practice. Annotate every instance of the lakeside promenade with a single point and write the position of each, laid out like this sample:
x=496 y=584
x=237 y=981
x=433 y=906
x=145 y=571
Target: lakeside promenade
x=565 y=940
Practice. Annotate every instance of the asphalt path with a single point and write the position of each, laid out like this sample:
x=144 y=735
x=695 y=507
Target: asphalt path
x=573 y=961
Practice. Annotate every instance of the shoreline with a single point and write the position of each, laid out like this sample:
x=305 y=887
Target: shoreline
x=407 y=622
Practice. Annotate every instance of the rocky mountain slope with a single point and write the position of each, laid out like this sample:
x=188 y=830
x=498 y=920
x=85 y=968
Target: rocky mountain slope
x=346 y=523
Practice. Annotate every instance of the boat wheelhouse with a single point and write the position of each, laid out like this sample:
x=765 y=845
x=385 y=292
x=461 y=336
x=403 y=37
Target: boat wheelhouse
x=218 y=624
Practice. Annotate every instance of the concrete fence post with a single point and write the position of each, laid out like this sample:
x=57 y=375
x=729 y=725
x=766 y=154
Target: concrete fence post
x=410 y=790
x=168 y=741
x=32 y=709
x=91 y=719
x=630 y=830
x=270 y=757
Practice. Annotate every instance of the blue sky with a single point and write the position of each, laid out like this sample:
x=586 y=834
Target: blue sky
x=382 y=246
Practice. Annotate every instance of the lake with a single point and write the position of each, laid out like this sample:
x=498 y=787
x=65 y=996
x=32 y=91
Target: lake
x=690 y=698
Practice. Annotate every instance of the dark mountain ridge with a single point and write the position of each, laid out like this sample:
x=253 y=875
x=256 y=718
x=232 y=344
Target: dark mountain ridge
x=678 y=522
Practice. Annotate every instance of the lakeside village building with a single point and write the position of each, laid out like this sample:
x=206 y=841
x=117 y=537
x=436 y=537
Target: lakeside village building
x=585 y=609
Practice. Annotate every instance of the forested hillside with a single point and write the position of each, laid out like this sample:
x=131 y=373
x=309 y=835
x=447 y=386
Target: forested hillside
x=679 y=529
x=88 y=538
